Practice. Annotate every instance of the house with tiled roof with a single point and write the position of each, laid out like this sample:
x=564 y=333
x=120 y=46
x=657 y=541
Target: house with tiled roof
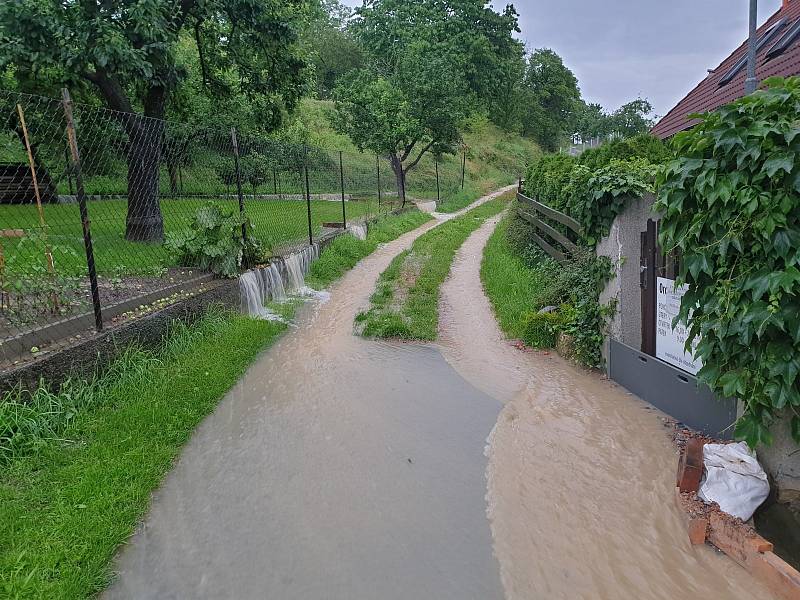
x=778 y=54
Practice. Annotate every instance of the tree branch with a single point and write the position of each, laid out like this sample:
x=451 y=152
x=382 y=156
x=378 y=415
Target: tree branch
x=407 y=150
x=419 y=156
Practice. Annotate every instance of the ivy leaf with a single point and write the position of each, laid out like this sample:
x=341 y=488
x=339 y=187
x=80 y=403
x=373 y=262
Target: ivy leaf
x=779 y=161
x=750 y=429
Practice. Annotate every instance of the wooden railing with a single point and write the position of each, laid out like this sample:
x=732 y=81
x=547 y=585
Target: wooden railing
x=557 y=244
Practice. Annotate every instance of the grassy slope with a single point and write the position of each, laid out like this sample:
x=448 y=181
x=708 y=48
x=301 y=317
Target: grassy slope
x=406 y=299
x=66 y=504
x=494 y=158
x=346 y=250
x=512 y=286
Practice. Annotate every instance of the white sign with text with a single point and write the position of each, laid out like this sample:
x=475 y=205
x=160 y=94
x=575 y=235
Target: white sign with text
x=670 y=342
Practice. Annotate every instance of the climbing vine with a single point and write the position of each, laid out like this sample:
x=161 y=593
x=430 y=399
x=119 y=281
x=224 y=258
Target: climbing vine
x=731 y=206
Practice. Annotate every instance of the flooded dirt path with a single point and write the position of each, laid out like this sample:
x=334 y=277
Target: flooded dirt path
x=581 y=474
x=337 y=468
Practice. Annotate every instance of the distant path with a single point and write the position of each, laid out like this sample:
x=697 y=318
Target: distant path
x=337 y=468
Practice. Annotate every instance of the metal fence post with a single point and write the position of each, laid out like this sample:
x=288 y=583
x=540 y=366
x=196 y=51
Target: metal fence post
x=463 y=165
x=378 y=167
x=235 y=144
x=84 y=211
x=308 y=198
x=436 y=164
x=341 y=181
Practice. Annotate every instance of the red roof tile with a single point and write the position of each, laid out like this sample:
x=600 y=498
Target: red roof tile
x=708 y=95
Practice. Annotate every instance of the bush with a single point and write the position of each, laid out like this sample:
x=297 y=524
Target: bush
x=600 y=196
x=214 y=242
x=730 y=206
x=547 y=177
x=540 y=330
x=644 y=146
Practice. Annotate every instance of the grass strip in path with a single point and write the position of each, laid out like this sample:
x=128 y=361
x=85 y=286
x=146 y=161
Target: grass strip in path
x=513 y=288
x=346 y=250
x=406 y=299
x=77 y=467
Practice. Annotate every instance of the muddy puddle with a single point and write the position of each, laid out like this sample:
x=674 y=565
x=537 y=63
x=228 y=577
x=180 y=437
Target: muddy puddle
x=581 y=474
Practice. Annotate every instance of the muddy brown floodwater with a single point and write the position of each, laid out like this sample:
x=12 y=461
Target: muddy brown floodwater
x=581 y=473
x=343 y=468
x=338 y=468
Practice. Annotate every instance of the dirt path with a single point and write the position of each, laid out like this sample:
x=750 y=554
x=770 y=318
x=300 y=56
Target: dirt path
x=337 y=468
x=580 y=474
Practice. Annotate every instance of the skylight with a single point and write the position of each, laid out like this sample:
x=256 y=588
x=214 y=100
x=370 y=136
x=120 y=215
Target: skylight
x=765 y=38
x=785 y=42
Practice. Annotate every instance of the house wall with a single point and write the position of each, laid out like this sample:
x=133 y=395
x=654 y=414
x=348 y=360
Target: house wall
x=622 y=245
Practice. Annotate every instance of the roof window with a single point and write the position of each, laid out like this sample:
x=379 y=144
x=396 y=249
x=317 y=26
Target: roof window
x=763 y=40
x=785 y=42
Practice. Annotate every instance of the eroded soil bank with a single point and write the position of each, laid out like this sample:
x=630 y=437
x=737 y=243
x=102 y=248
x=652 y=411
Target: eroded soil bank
x=581 y=474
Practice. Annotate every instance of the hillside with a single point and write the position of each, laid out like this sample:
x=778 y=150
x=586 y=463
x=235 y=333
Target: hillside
x=494 y=157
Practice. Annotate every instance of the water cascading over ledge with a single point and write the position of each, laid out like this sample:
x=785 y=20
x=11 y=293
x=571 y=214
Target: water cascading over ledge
x=276 y=282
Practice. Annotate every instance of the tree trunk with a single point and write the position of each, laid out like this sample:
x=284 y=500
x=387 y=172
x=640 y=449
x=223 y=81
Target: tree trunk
x=144 y=222
x=399 y=177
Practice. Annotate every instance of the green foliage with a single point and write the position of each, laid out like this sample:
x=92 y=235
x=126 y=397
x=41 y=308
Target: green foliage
x=605 y=194
x=214 y=242
x=540 y=330
x=552 y=97
x=594 y=188
x=577 y=283
x=729 y=205
x=547 y=179
x=645 y=146
x=431 y=65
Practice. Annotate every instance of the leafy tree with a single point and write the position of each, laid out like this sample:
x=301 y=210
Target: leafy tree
x=127 y=50
x=332 y=49
x=553 y=98
x=431 y=63
x=591 y=121
x=631 y=118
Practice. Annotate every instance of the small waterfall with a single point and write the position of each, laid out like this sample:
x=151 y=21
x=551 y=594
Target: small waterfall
x=359 y=231
x=297 y=266
x=259 y=286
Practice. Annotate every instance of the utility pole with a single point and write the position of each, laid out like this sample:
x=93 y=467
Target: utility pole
x=751 y=83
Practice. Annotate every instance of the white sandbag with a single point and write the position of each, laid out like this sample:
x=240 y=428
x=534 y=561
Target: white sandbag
x=733 y=479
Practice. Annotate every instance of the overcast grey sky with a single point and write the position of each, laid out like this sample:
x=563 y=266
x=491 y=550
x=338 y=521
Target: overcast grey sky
x=619 y=49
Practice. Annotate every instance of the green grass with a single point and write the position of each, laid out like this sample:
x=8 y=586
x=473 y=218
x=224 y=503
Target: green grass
x=406 y=298
x=346 y=250
x=513 y=288
x=78 y=466
x=274 y=221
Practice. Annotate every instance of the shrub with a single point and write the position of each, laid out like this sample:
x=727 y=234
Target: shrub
x=214 y=242
x=540 y=330
x=547 y=177
x=644 y=146
x=601 y=196
x=730 y=206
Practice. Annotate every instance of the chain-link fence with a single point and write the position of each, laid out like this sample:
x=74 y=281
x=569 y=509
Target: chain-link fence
x=90 y=199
